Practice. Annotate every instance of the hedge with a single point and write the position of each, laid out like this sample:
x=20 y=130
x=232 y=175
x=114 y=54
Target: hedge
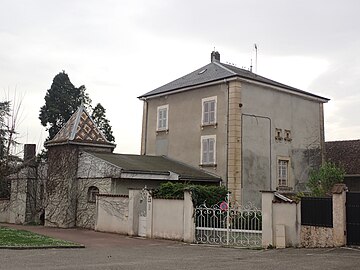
x=201 y=194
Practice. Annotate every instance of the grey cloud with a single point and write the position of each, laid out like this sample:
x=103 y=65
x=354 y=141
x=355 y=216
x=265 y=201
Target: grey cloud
x=280 y=26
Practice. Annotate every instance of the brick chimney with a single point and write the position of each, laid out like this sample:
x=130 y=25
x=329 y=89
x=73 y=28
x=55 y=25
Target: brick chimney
x=29 y=153
x=215 y=56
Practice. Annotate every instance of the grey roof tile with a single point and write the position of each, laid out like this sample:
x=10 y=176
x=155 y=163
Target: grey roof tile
x=217 y=71
x=345 y=154
x=157 y=165
x=208 y=73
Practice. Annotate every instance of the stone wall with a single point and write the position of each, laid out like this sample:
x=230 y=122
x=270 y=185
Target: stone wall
x=91 y=167
x=61 y=187
x=18 y=201
x=4 y=210
x=315 y=236
x=312 y=236
x=86 y=210
x=91 y=172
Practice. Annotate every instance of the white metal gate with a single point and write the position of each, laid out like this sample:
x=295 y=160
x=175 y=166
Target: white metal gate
x=228 y=224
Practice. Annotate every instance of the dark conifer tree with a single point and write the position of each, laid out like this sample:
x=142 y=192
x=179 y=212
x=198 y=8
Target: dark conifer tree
x=99 y=117
x=61 y=101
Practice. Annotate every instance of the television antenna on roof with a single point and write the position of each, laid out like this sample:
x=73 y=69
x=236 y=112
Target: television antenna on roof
x=256 y=58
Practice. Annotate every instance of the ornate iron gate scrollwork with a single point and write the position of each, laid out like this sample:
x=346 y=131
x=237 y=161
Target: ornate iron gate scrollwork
x=228 y=224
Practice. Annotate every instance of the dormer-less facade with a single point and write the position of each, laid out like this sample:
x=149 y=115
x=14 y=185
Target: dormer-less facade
x=255 y=133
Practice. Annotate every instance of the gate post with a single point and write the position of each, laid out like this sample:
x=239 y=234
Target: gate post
x=149 y=215
x=189 y=222
x=267 y=218
x=339 y=214
x=133 y=218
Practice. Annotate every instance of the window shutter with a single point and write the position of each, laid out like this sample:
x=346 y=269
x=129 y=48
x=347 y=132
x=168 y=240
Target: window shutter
x=212 y=111
x=211 y=150
x=162 y=118
x=206 y=112
x=209 y=112
x=159 y=120
x=164 y=114
x=205 y=151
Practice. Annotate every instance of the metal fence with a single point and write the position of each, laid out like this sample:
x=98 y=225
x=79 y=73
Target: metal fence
x=353 y=218
x=317 y=211
x=228 y=224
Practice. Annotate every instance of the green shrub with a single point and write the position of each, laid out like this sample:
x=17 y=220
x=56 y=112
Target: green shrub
x=201 y=194
x=170 y=191
x=209 y=195
x=322 y=180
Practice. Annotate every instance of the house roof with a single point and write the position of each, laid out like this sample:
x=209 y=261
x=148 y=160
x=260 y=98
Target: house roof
x=80 y=129
x=156 y=165
x=217 y=71
x=345 y=154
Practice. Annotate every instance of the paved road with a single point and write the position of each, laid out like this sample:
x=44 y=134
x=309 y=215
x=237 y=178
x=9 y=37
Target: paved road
x=111 y=251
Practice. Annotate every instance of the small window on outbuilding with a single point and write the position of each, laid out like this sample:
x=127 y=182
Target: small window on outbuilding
x=92 y=192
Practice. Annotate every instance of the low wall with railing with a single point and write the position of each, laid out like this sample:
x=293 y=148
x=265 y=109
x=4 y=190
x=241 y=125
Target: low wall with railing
x=323 y=221
x=313 y=222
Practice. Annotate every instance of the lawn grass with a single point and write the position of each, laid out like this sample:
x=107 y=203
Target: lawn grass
x=11 y=238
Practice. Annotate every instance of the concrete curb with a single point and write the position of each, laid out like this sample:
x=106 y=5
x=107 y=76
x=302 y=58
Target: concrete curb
x=41 y=247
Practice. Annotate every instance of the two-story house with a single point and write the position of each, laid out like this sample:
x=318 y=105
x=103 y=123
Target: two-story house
x=255 y=133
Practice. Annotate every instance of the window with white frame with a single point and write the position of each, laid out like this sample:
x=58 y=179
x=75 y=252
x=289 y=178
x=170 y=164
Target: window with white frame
x=162 y=117
x=208 y=150
x=283 y=172
x=209 y=111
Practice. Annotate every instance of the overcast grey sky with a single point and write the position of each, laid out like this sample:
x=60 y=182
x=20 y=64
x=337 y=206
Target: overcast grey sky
x=122 y=49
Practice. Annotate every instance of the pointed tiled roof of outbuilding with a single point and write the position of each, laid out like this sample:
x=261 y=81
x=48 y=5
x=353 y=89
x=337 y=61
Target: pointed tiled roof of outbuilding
x=80 y=129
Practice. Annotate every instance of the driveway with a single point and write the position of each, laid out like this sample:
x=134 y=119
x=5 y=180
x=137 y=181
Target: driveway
x=112 y=251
